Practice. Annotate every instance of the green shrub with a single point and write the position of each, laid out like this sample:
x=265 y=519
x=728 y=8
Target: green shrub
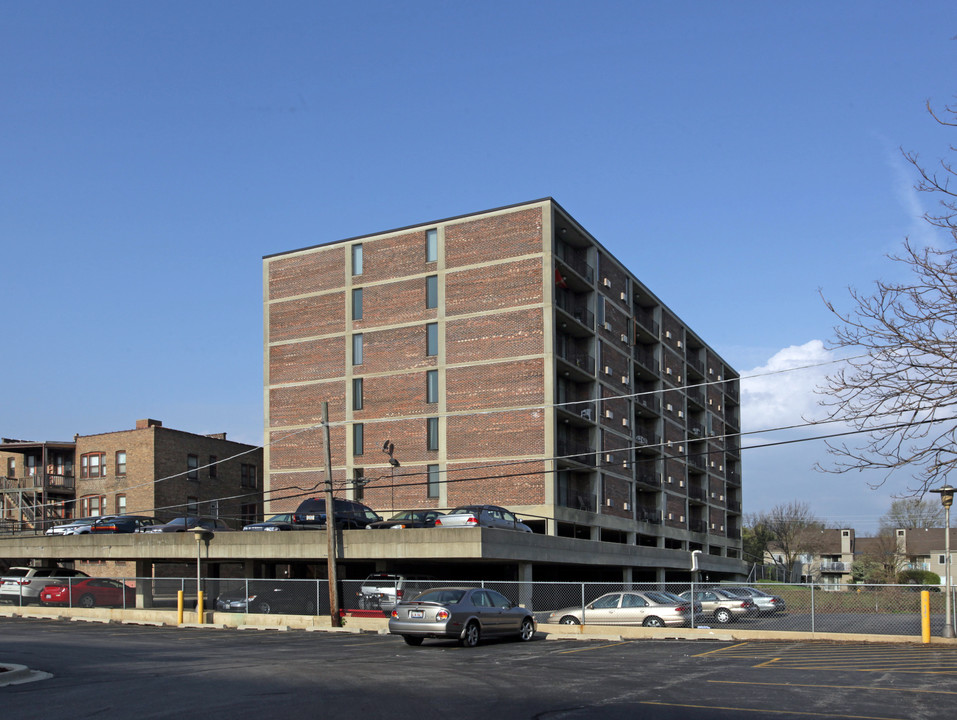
x=918 y=577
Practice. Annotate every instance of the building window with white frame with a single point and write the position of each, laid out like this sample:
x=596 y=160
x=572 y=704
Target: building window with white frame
x=358 y=436
x=357 y=349
x=120 y=463
x=356 y=303
x=356 y=393
x=93 y=465
x=192 y=467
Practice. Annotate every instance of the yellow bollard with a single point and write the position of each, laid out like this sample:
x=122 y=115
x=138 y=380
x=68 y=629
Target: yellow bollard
x=179 y=607
x=199 y=607
x=925 y=616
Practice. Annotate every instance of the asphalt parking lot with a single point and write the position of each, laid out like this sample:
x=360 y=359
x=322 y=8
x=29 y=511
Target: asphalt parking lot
x=159 y=672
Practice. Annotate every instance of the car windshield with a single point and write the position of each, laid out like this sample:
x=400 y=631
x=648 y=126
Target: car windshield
x=444 y=597
x=405 y=515
x=279 y=518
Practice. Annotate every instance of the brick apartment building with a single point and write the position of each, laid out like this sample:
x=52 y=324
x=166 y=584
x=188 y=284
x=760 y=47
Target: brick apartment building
x=509 y=359
x=149 y=470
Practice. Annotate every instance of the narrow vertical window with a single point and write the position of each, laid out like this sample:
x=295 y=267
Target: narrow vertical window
x=356 y=393
x=357 y=259
x=431 y=245
x=357 y=303
x=432 y=291
x=358 y=439
x=120 y=462
x=358 y=484
x=600 y=310
x=357 y=349
x=121 y=504
x=432 y=433
x=432 y=386
x=192 y=467
x=432 y=339
x=192 y=506
x=213 y=464
x=433 y=480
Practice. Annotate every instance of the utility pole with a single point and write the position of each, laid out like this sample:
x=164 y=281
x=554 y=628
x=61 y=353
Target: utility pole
x=331 y=550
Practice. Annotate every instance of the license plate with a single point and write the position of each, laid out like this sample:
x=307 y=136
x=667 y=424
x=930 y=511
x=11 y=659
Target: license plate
x=310 y=517
x=418 y=614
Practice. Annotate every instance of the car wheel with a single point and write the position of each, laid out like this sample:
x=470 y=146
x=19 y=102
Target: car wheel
x=264 y=608
x=412 y=640
x=722 y=615
x=87 y=601
x=569 y=620
x=472 y=635
x=653 y=621
x=528 y=629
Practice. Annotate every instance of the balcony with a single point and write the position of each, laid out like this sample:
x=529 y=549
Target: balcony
x=576 y=451
x=835 y=567
x=646 y=322
x=579 y=359
x=575 y=306
x=651 y=479
x=696 y=493
x=698 y=526
x=646 y=358
x=574 y=260
x=696 y=396
x=648 y=515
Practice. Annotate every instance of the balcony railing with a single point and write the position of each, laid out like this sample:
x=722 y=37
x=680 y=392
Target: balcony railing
x=581 y=360
x=645 y=358
x=38 y=482
x=648 y=515
x=576 y=306
x=836 y=567
x=646 y=320
x=576 y=451
x=569 y=258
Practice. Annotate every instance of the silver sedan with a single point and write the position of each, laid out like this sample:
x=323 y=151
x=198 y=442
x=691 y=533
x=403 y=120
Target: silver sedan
x=464 y=614
x=647 y=608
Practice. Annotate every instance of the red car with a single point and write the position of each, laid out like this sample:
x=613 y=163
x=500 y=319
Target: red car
x=89 y=592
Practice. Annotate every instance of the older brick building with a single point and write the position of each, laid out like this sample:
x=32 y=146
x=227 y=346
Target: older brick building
x=149 y=470
x=510 y=359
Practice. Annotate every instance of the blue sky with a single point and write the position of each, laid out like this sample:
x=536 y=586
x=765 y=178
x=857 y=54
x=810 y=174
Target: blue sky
x=738 y=156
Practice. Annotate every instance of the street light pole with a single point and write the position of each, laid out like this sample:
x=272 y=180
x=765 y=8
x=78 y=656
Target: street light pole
x=202 y=535
x=947 y=499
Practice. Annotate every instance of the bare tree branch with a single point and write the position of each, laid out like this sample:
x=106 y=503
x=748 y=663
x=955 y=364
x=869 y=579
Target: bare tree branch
x=905 y=339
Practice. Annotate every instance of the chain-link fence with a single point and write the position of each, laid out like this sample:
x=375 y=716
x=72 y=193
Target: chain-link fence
x=868 y=609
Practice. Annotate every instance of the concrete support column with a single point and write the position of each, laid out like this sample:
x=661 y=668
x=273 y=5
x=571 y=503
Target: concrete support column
x=660 y=576
x=144 y=585
x=525 y=584
x=627 y=578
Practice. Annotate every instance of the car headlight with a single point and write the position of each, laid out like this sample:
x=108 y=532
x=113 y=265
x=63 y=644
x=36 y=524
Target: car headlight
x=271 y=528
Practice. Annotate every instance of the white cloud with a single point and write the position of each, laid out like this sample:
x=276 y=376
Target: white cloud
x=781 y=392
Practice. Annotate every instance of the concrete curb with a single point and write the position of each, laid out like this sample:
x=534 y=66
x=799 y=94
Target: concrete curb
x=19 y=674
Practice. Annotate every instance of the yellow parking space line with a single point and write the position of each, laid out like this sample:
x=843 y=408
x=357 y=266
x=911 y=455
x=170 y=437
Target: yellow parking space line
x=599 y=647
x=868 y=688
x=712 y=652
x=767 y=663
x=768 y=711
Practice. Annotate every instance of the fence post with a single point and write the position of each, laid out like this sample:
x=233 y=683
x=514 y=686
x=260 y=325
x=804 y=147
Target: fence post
x=812 y=607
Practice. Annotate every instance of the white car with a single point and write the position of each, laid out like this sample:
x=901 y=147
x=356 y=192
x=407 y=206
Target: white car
x=79 y=526
x=23 y=585
x=491 y=516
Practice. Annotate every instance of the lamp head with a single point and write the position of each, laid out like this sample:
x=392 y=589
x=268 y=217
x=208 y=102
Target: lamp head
x=946 y=495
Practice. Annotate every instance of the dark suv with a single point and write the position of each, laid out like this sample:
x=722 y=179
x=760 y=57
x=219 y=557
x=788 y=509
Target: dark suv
x=349 y=515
